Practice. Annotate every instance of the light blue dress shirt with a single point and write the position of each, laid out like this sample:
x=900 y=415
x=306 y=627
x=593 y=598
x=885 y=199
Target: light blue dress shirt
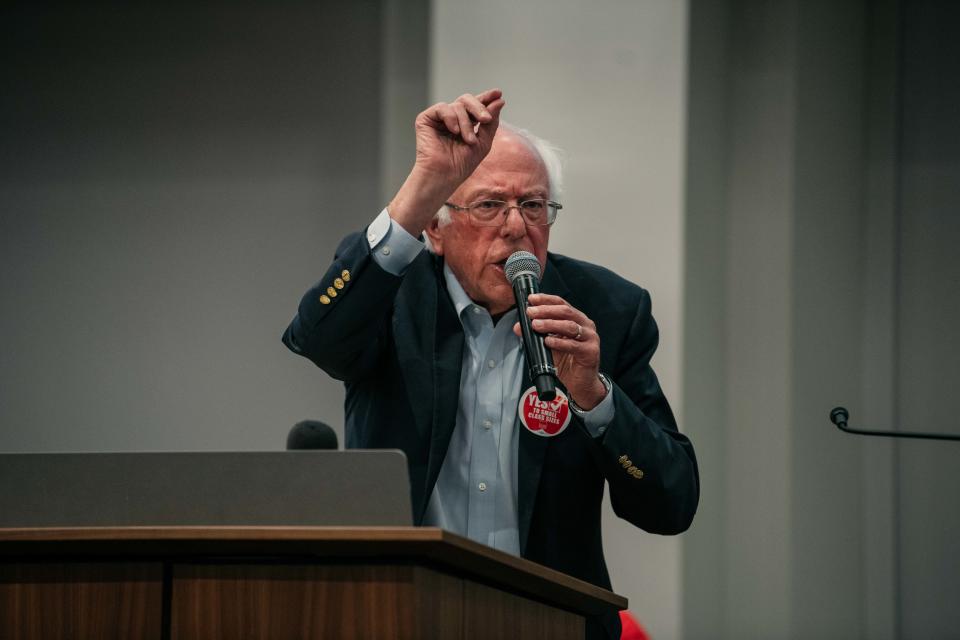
x=476 y=491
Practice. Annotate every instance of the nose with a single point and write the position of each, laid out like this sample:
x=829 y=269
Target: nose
x=514 y=226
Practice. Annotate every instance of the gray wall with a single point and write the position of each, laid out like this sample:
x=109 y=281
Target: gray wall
x=821 y=184
x=927 y=348
x=172 y=180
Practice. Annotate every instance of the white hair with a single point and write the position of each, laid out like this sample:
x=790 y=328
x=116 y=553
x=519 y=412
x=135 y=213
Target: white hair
x=549 y=154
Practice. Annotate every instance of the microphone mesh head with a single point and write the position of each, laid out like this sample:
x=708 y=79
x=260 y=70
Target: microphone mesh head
x=521 y=262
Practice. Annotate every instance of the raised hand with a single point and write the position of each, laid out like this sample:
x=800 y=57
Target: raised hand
x=452 y=139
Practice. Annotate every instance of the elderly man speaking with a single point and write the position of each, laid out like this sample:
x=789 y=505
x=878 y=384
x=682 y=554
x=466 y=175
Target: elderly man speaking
x=427 y=343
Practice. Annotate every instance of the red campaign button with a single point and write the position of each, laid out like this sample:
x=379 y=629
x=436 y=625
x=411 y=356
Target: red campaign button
x=544 y=418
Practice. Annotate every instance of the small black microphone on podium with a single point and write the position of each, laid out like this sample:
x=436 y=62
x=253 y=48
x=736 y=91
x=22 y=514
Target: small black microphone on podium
x=523 y=271
x=311 y=434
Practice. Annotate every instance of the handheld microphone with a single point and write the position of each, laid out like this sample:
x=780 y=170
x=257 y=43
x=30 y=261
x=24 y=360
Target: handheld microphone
x=523 y=271
x=311 y=434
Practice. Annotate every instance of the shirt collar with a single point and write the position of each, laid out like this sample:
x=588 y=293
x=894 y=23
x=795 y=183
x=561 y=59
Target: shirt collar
x=458 y=296
x=461 y=301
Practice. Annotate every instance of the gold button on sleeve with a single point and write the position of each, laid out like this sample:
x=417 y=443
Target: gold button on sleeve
x=324 y=299
x=345 y=274
x=338 y=283
x=331 y=292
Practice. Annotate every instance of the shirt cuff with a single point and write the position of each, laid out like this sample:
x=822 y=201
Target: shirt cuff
x=392 y=246
x=597 y=419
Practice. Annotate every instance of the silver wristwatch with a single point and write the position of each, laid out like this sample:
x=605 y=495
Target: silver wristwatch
x=606 y=385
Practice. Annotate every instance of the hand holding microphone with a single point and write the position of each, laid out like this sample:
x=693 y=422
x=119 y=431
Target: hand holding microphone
x=560 y=341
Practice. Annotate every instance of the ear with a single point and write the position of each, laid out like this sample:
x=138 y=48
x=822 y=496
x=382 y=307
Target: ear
x=436 y=236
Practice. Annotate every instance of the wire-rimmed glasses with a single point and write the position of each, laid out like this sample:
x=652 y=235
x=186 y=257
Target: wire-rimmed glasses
x=538 y=212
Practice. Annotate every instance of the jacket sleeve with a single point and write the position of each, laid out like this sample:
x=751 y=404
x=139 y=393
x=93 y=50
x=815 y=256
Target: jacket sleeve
x=650 y=466
x=342 y=322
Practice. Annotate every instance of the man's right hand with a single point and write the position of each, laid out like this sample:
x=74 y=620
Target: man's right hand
x=452 y=139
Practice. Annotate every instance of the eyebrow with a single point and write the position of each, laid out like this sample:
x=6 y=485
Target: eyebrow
x=500 y=194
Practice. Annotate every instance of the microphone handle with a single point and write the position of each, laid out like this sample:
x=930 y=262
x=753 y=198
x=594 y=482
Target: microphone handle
x=539 y=359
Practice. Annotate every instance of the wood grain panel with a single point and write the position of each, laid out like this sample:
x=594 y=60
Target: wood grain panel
x=440 y=606
x=491 y=613
x=352 y=601
x=427 y=544
x=292 y=601
x=80 y=600
x=281 y=582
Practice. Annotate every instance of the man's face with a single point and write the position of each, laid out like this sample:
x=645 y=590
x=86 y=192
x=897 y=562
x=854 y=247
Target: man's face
x=512 y=172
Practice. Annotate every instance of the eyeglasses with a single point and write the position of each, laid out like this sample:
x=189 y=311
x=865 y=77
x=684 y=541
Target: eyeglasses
x=537 y=212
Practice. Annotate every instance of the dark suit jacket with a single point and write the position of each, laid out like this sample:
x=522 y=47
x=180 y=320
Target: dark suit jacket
x=397 y=344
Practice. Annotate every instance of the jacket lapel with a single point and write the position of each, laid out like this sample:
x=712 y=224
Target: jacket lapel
x=429 y=349
x=447 y=362
x=533 y=448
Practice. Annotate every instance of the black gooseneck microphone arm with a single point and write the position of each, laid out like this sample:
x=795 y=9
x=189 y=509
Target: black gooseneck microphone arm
x=840 y=415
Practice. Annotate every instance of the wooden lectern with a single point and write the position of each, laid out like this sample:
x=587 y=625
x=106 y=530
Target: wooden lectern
x=280 y=582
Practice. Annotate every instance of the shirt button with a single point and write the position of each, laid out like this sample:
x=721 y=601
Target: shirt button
x=372 y=237
x=487 y=424
x=385 y=251
x=482 y=486
x=491 y=363
x=476 y=310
